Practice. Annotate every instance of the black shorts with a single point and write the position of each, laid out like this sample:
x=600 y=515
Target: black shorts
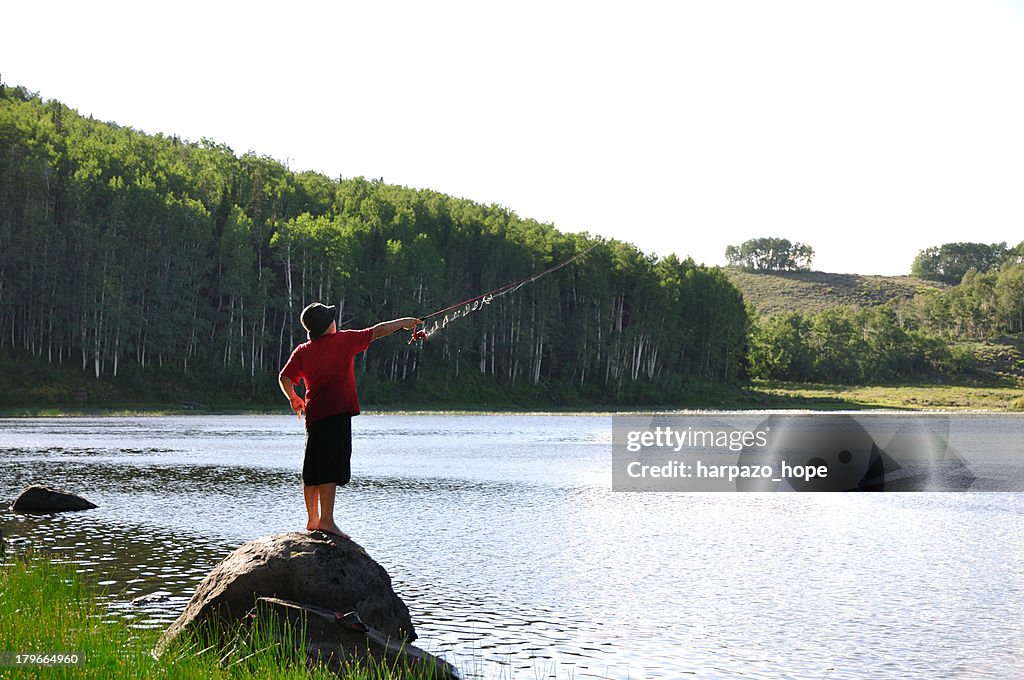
x=328 y=451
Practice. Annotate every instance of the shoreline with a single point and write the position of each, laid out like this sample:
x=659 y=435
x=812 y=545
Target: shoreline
x=55 y=623
x=792 y=398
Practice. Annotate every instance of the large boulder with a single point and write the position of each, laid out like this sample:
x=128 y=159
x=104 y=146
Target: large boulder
x=316 y=568
x=41 y=499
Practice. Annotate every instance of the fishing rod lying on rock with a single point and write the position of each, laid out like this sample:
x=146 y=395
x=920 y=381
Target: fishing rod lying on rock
x=466 y=307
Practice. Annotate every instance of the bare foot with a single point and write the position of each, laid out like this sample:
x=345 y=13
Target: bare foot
x=311 y=525
x=332 y=528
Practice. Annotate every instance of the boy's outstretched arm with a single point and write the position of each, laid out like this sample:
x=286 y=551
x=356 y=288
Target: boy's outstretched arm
x=388 y=327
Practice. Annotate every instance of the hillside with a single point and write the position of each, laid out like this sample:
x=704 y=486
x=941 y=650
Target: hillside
x=775 y=292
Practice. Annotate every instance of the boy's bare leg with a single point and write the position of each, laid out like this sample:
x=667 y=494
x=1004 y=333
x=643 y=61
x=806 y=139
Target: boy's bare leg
x=326 y=522
x=311 y=494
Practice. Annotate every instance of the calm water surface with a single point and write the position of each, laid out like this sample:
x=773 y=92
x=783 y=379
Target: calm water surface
x=517 y=561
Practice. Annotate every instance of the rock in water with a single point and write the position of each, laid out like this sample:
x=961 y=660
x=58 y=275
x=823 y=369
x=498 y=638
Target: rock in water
x=159 y=597
x=318 y=569
x=39 y=498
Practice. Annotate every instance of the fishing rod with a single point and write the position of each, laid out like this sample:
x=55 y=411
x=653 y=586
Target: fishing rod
x=474 y=303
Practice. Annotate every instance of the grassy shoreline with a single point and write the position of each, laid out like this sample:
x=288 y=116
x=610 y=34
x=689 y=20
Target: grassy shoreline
x=762 y=396
x=47 y=608
x=994 y=399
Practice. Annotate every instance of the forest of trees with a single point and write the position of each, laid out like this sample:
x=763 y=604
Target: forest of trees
x=926 y=336
x=950 y=262
x=983 y=306
x=770 y=254
x=842 y=345
x=131 y=256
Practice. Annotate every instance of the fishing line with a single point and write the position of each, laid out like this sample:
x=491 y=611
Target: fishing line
x=471 y=305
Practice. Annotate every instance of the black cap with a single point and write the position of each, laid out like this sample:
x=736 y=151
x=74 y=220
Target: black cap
x=316 y=319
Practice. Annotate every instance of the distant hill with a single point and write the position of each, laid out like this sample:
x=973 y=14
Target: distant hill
x=775 y=292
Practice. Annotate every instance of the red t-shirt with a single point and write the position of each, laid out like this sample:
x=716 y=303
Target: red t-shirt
x=325 y=363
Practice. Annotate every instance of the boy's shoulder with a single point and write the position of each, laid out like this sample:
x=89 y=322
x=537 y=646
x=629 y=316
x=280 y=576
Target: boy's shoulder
x=341 y=336
x=302 y=348
x=355 y=339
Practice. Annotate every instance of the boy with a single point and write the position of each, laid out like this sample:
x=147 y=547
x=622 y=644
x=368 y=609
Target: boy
x=325 y=364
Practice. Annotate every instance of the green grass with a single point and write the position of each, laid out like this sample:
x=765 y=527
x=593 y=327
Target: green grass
x=65 y=390
x=46 y=607
x=903 y=397
x=998 y=385
x=133 y=410
x=416 y=399
x=777 y=292
x=996 y=395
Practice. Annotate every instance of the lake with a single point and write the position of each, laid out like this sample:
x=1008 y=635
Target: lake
x=517 y=560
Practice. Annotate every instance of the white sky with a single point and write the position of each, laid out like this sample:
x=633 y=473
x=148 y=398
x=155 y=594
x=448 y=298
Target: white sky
x=869 y=130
